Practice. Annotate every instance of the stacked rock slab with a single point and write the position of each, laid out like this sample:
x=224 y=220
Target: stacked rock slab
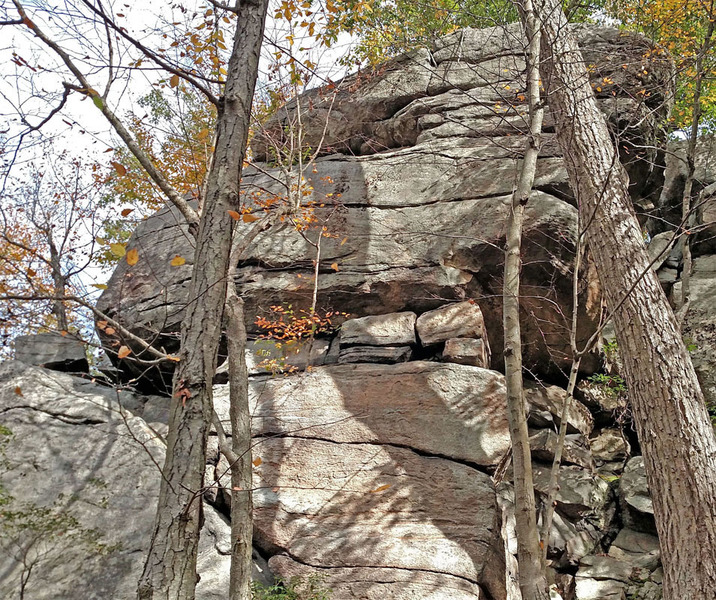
x=418 y=161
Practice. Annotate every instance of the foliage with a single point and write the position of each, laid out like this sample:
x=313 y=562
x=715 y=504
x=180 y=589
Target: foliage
x=680 y=26
x=613 y=385
x=295 y=588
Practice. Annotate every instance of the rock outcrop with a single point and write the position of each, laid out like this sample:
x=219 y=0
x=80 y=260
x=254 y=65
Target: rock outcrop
x=418 y=161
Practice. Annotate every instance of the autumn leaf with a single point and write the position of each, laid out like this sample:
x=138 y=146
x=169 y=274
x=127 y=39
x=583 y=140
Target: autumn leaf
x=100 y=286
x=120 y=168
x=31 y=272
x=234 y=215
x=247 y=218
x=110 y=331
x=102 y=325
x=177 y=261
x=173 y=358
x=127 y=211
x=18 y=391
x=132 y=257
x=174 y=81
x=119 y=250
x=257 y=461
x=124 y=352
x=334 y=266
x=381 y=488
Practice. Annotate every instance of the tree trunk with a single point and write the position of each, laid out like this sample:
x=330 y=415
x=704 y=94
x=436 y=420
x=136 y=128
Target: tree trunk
x=170 y=569
x=533 y=584
x=672 y=423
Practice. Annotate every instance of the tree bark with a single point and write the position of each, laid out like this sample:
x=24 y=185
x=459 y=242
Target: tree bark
x=669 y=411
x=533 y=584
x=170 y=569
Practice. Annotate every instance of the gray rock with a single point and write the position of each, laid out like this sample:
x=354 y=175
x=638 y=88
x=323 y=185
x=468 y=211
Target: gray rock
x=634 y=498
x=640 y=550
x=377 y=507
x=609 y=445
x=460 y=320
x=546 y=404
x=465 y=351
x=599 y=589
x=53 y=351
x=78 y=451
x=375 y=354
x=395 y=329
x=604 y=567
x=580 y=494
x=575 y=451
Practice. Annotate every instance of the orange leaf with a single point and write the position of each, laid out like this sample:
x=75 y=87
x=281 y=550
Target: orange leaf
x=177 y=261
x=124 y=352
x=18 y=390
x=132 y=257
x=174 y=81
x=257 y=461
x=249 y=218
x=101 y=325
x=127 y=211
x=121 y=169
x=173 y=358
x=110 y=331
x=234 y=215
x=334 y=266
x=382 y=488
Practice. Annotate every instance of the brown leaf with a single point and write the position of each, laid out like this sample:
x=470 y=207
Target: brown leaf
x=234 y=215
x=121 y=169
x=18 y=391
x=110 y=331
x=127 y=211
x=249 y=218
x=382 y=488
x=124 y=352
x=174 y=81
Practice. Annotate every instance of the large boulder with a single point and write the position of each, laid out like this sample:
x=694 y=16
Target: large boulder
x=82 y=471
x=419 y=162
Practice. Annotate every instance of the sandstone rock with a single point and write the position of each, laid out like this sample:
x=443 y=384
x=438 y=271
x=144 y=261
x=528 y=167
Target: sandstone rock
x=76 y=450
x=580 y=493
x=637 y=506
x=640 y=550
x=53 y=351
x=418 y=216
x=441 y=409
x=604 y=567
x=609 y=445
x=465 y=351
x=461 y=320
x=575 y=451
x=546 y=409
x=395 y=329
x=375 y=354
x=380 y=583
x=700 y=325
x=384 y=507
x=594 y=589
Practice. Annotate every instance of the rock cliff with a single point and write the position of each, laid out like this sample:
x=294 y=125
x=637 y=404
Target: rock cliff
x=377 y=467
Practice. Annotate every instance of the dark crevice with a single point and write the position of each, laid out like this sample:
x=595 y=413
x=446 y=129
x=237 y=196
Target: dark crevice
x=68 y=419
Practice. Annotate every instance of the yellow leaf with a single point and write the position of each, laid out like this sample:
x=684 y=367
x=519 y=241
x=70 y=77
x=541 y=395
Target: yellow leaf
x=119 y=250
x=234 y=215
x=174 y=81
x=121 y=169
x=344 y=240
x=100 y=286
x=257 y=461
x=382 y=488
x=18 y=390
x=127 y=211
x=203 y=134
x=249 y=218
x=100 y=240
x=334 y=266
x=124 y=352
x=132 y=257
x=177 y=261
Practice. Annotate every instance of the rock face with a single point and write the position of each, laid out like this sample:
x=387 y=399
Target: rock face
x=77 y=451
x=54 y=351
x=413 y=184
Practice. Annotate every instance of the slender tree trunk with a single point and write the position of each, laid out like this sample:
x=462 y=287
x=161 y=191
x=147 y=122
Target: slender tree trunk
x=672 y=423
x=533 y=584
x=170 y=569
x=60 y=282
